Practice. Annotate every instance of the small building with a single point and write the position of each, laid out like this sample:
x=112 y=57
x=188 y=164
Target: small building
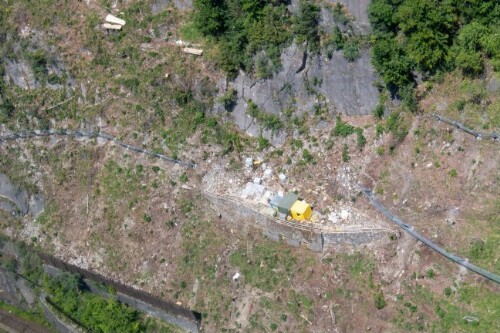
x=283 y=203
x=289 y=205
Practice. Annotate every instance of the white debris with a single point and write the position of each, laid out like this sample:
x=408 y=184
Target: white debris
x=268 y=172
x=190 y=50
x=344 y=214
x=282 y=177
x=428 y=165
x=114 y=20
x=249 y=162
x=257 y=181
x=110 y=26
x=236 y=276
x=264 y=200
x=252 y=190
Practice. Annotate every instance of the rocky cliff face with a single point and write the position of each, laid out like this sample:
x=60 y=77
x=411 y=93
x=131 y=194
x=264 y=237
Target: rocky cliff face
x=306 y=81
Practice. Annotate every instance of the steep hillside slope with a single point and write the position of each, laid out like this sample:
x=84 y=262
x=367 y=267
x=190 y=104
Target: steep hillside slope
x=146 y=222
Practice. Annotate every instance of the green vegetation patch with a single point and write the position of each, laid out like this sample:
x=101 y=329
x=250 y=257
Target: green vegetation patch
x=431 y=37
x=93 y=312
x=243 y=28
x=486 y=252
x=268 y=266
x=342 y=129
x=464 y=309
x=269 y=121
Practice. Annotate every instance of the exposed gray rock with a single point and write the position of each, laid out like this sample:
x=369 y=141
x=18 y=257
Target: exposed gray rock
x=20 y=73
x=358 y=10
x=493 y=85
x=159 y=5
x=344 y=87
x=306 y=81
x=8 y=206
x=25 y=203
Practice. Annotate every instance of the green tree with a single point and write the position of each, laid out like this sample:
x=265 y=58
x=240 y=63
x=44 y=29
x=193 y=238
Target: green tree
x=490 y=43
x=392 y=62
x=428 y=26
x=471 y=63
x=471 y=35
x=381 y=15
x=209 y=16
x=306 y=25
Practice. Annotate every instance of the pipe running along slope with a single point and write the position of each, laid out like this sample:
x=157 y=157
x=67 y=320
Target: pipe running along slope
x=409 y=229
x=62 y=132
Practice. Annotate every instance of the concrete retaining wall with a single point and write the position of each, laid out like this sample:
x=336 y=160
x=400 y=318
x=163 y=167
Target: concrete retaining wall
x=189 y=326
x=243 y=216
x=137 y=299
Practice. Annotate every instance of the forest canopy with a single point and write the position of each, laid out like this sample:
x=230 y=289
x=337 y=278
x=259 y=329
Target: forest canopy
x=431 y=37
x=251 y=34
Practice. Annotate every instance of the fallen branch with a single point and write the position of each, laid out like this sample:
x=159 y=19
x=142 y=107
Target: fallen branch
x=332 y=315
x=59 y=104
x=306 y=319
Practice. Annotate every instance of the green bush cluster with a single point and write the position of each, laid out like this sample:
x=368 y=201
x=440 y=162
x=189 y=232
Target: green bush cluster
x=340 y=14
x=228 y=100
x=95 y=313
x=360 y=139
x=380 y=301
x=342 y=129
x=432 y=36
x=396 y=125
